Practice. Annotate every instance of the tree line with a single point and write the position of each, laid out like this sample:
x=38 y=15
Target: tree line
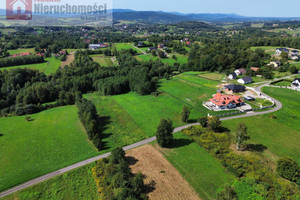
x=20 y=60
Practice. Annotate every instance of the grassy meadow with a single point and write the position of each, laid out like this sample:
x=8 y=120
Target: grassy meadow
x=48 y=67
x=118 y=128
x=53 y=139
x=280 y=136
x=203 y=172
x=180 y=58
x=18 y=51
x=76 y=184
x=102 y=60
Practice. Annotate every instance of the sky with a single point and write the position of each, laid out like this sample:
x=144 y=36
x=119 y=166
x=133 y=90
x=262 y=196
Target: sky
x=255 y=8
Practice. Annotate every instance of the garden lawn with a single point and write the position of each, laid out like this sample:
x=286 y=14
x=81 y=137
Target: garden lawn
x=48 y=67
x=52 y=140
x=118 y=128
x=203 y=172
x=76 y=184
x=281 y=136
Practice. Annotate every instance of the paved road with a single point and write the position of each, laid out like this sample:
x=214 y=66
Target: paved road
x=143 y=142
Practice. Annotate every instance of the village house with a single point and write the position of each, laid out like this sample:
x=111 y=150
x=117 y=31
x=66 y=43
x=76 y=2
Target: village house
x=296 y=83
x=255 y=69
x=222 y=101
x=280 y=50
x=152 y=48
x=235 y=88
x=240 y=71
x=245 y=80
x=232 y=76
x=161 y=46
x=275 y=63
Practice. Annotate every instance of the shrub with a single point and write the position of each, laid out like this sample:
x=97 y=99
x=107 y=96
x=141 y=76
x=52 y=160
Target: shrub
x=288 y=168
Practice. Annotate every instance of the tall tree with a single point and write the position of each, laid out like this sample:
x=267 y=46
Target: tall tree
x=185 y=114
x=214 y=123
x=241 y=135
x=164 y=132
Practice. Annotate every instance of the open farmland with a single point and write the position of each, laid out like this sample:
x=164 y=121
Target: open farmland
x=76 y=184
x=48 y=67
x=51 y=140
x=280 y=136
x=203 y=172
x=162 y=179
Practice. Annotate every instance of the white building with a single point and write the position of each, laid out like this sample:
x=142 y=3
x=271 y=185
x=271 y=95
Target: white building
x=296 y=83
x=245 y=80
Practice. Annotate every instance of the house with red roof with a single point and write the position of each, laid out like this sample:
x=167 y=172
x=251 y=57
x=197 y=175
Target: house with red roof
x=222 y=101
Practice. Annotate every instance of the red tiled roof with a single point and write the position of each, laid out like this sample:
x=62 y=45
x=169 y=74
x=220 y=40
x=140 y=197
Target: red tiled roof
x=223 y=100
x=255 y=69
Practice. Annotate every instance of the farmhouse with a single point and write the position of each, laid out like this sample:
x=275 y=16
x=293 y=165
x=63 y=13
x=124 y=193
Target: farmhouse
x=296 y=83
x=280 y=50
x=235 y=88
x=245 y=80
x=232 y=76
x=226 y=101
x=240 y=71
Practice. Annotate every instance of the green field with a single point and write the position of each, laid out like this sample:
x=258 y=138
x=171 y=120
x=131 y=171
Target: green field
x=281 y=136
x=53 y=139
x=147 y=111
x=76 y=184
x=119 y=129
x=121 y=46
x=103 y=61
x=180 y=59
x=285 y=30
x=18 y=51
x=48 y=67
x=283 y=83
x=203 y=172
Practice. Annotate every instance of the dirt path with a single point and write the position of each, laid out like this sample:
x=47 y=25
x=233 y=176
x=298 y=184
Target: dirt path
x=163 y=181
x=69 y=60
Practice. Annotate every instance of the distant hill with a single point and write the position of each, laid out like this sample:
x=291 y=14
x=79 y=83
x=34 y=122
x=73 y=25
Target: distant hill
x=149 y=17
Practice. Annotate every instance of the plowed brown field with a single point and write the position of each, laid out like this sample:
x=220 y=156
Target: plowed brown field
x=163 y=181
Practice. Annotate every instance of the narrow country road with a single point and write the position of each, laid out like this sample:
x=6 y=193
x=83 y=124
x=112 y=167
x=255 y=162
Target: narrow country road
x=143 y=142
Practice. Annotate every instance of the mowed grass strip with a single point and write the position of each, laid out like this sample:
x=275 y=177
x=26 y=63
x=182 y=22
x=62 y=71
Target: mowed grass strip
x=280 y=136
x=118 y=128
x=76 y=184
x=203 y=172
x=48 y=67
x=54 y=139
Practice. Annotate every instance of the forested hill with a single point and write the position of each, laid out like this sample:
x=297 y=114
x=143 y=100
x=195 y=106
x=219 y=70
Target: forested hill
x=149 y=17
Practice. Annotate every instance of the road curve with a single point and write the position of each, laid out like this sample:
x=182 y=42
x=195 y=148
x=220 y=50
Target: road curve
x=143 y=142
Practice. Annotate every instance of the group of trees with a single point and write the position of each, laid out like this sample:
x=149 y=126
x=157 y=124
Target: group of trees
x=114 y=178
x=88 y=116
x=224 y=56
x=20 y=60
